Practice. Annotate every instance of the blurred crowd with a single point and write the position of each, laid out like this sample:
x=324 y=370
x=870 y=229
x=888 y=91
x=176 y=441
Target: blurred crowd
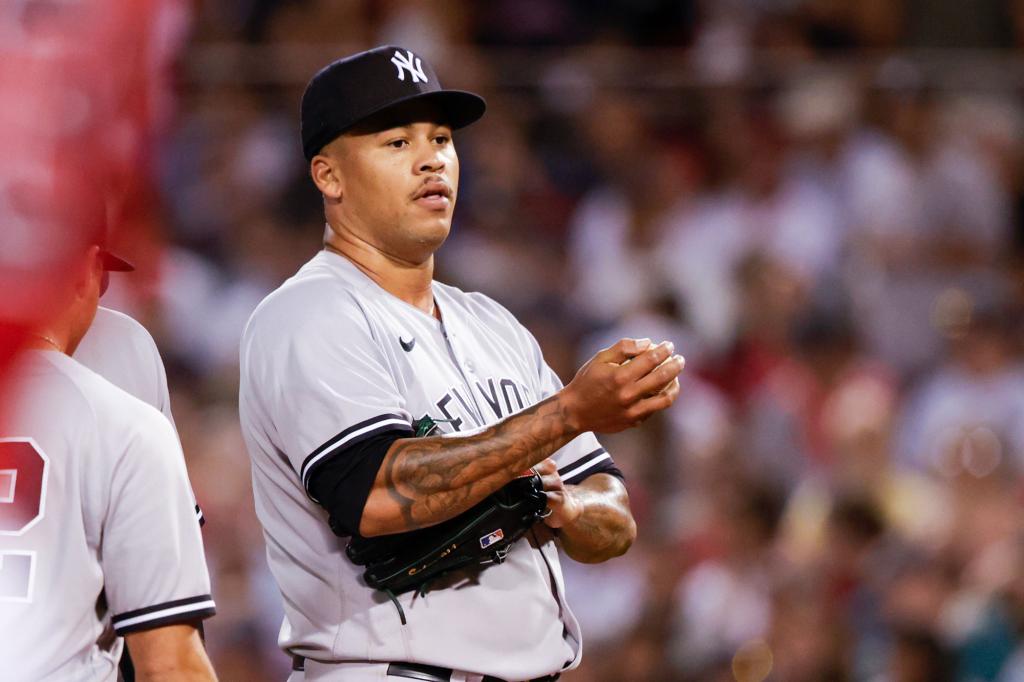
x=821 y=203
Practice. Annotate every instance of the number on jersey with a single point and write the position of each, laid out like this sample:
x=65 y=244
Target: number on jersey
x=23 y=469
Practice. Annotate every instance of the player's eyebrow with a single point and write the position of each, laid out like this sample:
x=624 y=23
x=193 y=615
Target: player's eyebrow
x=406 y=127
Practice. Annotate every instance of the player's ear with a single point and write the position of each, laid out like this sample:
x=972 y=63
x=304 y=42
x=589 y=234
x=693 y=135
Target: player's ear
x=96 y=270
x=91 y=275
x=86 y=299
x=92 y=269
x=326 y=176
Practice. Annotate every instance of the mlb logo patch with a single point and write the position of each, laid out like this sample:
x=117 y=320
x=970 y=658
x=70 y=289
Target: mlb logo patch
x=488 y=540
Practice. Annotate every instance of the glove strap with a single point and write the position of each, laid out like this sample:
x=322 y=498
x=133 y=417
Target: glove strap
x=394 y=600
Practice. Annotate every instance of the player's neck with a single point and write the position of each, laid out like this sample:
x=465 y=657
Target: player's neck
x=47 y=339
x=65 y=331
x=409 y=282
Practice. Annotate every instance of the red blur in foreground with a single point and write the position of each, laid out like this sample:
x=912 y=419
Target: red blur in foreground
x=83 y=88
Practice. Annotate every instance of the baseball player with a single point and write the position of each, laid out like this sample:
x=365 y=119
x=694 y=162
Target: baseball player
x=96 y=520
x=345 y=363
x=121 y=351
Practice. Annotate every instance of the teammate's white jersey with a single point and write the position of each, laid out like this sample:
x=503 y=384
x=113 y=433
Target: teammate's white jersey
x=121 y=351
x=93 y=498
x=330 y=359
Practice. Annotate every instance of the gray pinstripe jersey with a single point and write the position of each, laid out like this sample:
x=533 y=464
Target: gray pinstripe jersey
x=330 y=359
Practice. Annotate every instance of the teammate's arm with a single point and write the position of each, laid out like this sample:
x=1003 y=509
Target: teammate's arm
x=593 y=517
x=423 y=481
x=170 y=653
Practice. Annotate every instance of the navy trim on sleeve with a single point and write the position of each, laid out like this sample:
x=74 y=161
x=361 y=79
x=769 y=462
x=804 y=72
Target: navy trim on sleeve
x=605 y=467
x=598 y=461
x=199 y=517
x=350 y=436
x=177 y=611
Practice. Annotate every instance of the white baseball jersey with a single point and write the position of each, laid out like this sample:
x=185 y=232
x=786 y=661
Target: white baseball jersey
x=121 y=351
x=94 y=499
x=330 y=359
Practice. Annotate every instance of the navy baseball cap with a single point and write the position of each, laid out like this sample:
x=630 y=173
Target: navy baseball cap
x=100 y=235
x=350 y=90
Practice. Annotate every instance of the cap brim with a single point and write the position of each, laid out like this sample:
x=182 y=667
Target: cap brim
x=457 y=108
x=113 y=263
x=460 y=108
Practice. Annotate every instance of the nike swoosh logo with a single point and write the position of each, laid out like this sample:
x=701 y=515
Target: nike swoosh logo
x=407 y=345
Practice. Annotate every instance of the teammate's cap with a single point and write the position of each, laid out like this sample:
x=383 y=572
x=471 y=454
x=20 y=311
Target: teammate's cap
x=352 y=89
x=114 y=263
x=99 y=236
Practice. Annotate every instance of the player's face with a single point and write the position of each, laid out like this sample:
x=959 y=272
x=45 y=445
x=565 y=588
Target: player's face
x=398 y=187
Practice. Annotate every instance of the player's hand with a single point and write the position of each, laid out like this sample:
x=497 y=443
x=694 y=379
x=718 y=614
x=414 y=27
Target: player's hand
x=563 y=505
x=622 y=386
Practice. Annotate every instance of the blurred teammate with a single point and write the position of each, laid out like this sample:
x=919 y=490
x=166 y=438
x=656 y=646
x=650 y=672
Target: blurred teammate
x=96 y=519
x=121 y=351
x=341 y=361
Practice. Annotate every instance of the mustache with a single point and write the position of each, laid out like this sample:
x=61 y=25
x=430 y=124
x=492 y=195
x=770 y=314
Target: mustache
x=434 y=186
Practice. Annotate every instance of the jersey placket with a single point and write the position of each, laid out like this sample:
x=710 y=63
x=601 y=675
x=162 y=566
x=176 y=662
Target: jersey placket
x=465 y=367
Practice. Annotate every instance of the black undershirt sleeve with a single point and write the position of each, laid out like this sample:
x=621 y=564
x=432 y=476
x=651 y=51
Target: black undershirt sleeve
x=342 y=484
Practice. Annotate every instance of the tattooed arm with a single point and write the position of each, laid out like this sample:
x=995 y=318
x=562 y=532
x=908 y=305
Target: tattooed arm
x=423 y=481
x=593 y=518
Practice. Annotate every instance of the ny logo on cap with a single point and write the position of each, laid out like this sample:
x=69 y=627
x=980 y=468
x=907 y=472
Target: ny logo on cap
x=411 y=63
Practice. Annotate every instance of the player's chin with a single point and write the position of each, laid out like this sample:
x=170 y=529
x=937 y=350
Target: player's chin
x=429 y=238
x=434 y=229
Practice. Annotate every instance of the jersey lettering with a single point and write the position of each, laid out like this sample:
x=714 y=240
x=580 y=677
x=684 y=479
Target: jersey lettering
x=456 y=422
x=22 y=485
x=507 y=384
x=23 y=469
x=490 y=396
x=17 y=570
x=465 y=405
x=512 y=392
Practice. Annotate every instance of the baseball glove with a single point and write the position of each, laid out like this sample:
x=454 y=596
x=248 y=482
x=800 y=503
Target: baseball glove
x=478 y=537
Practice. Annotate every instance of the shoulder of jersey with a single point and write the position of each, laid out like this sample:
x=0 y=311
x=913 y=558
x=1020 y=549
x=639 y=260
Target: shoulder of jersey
x=314 y=292
x=119 y=322
x=112 y=326
x=106 y=400
x=481 y=305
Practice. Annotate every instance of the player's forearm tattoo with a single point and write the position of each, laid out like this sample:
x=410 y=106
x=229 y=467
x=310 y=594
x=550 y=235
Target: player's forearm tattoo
x=433 y=479
x=605 y=529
